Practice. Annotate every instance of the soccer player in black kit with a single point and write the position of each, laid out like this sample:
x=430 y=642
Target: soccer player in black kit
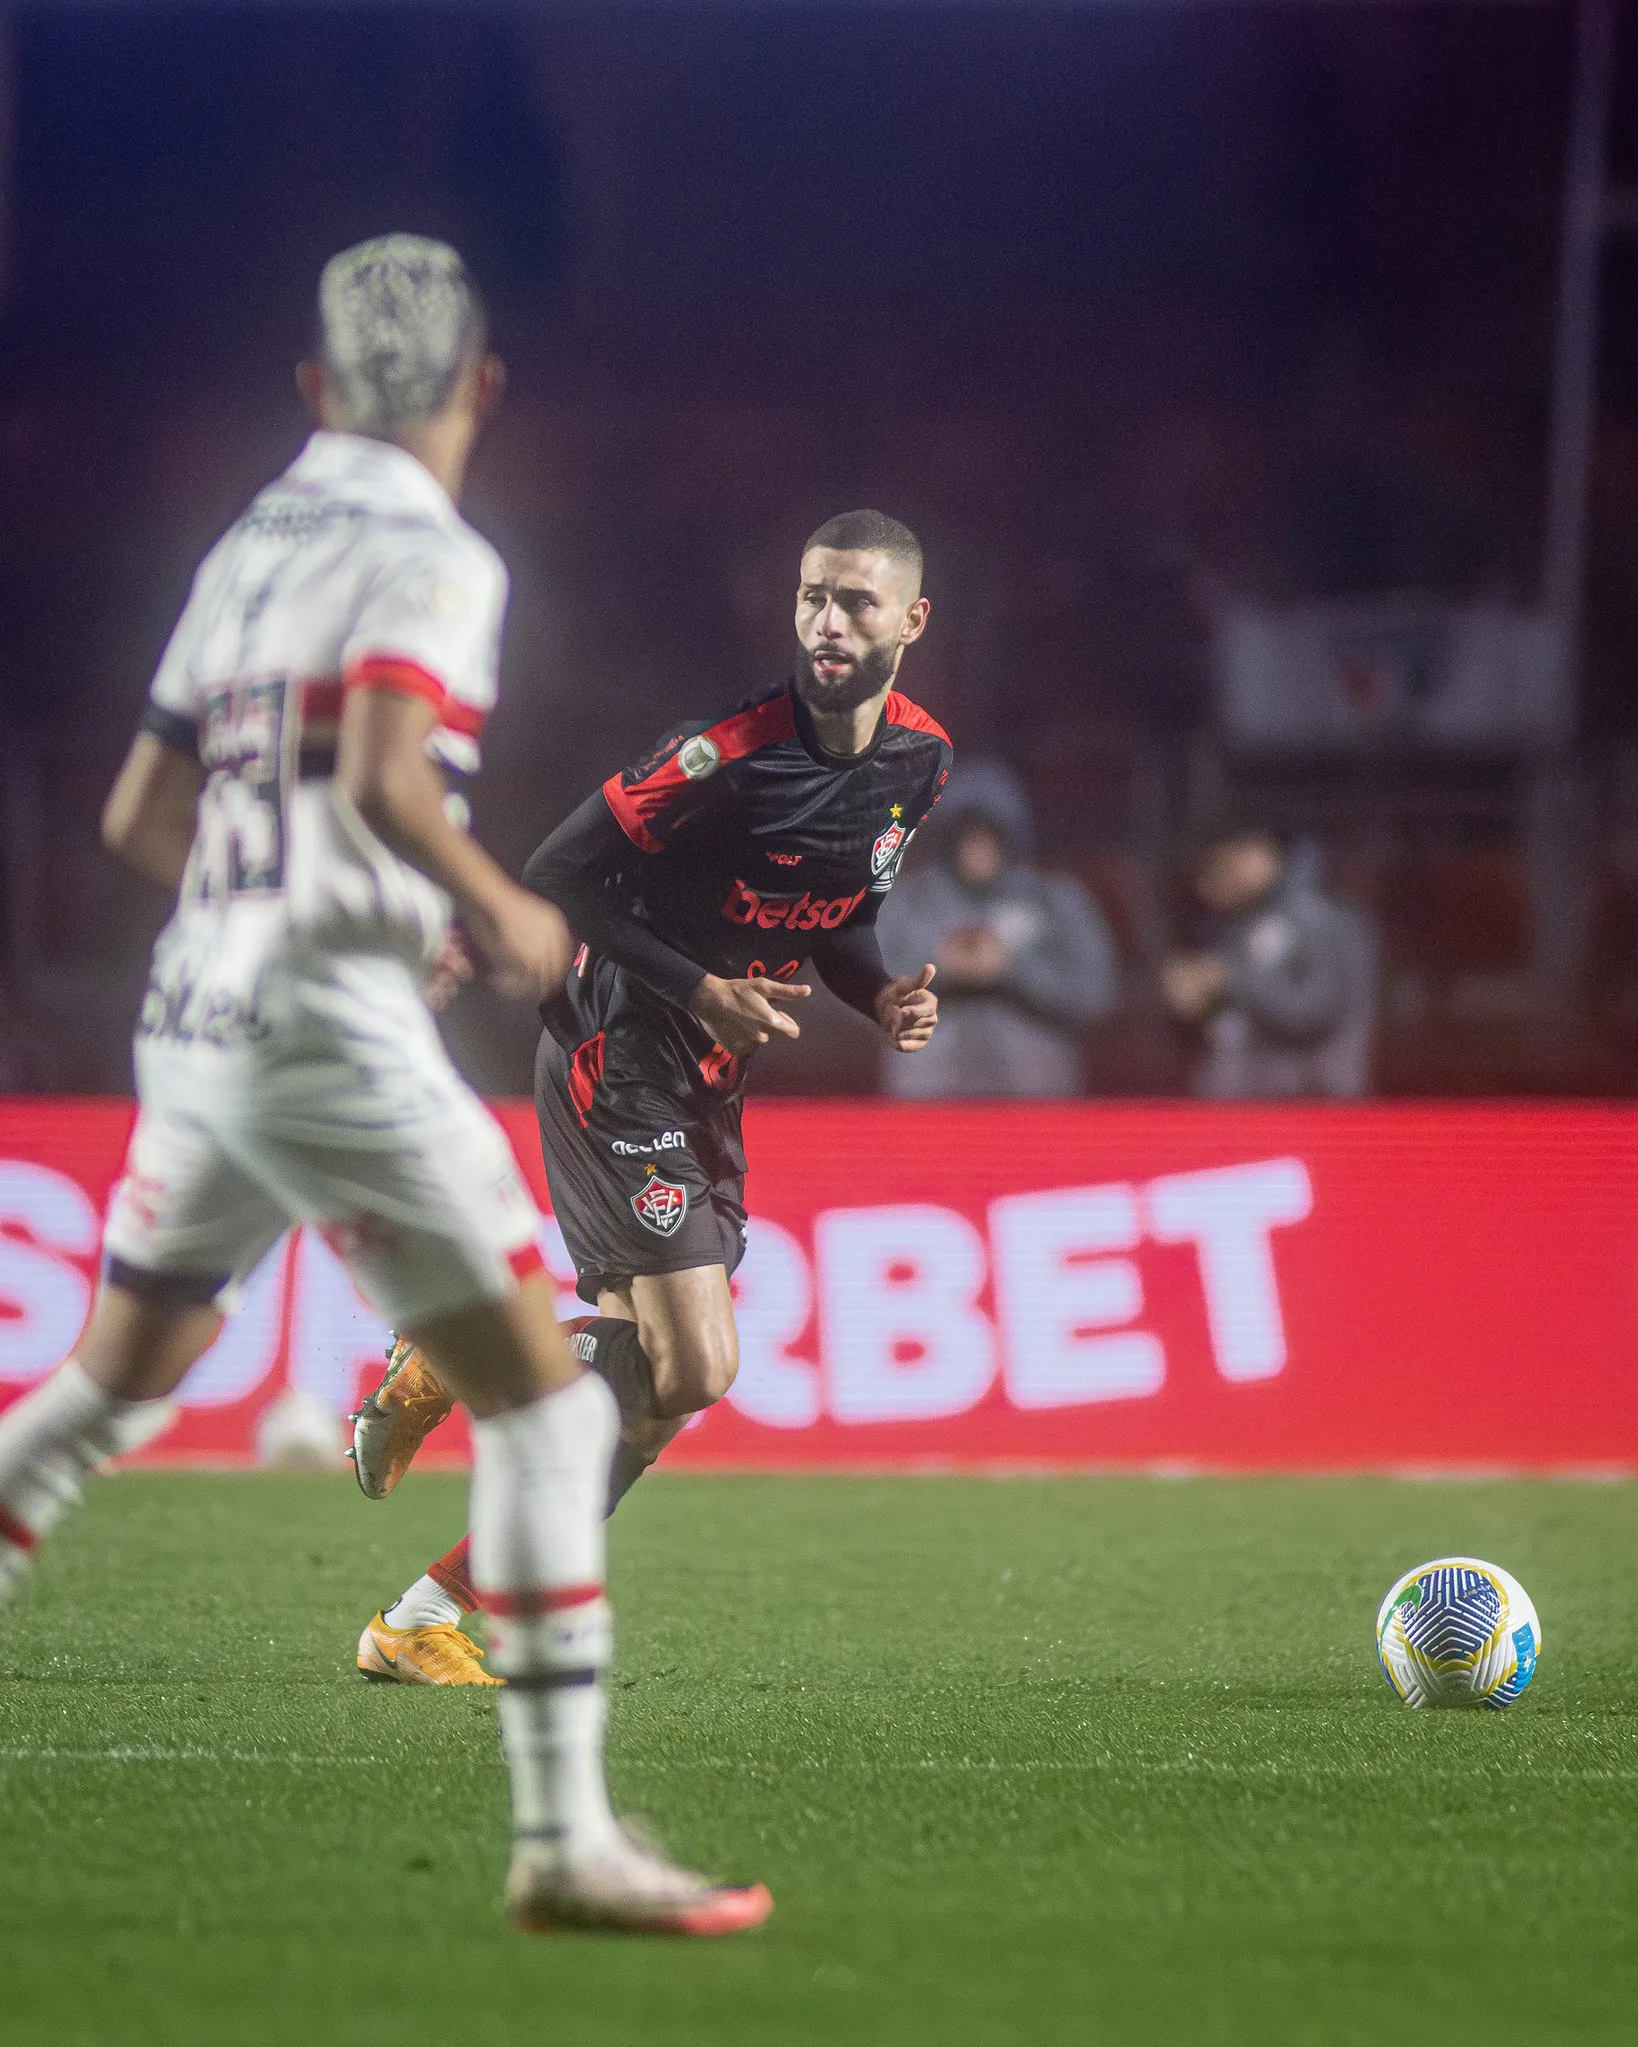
x=700 y=883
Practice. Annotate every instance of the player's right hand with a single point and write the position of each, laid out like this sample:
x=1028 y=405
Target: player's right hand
x=524 y=944
x=741 y=1015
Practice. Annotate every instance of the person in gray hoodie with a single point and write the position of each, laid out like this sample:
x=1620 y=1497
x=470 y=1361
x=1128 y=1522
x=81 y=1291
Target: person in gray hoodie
x=1025 y=959
x=1283 y=987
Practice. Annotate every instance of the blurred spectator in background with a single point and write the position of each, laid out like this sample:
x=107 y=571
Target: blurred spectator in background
x=1025 y=959
x=1283 y=988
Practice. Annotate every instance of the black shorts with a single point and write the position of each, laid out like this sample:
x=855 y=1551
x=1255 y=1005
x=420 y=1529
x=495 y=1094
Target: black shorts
x=640 y=1183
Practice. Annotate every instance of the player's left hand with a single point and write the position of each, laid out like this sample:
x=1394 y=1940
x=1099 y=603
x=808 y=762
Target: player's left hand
x=450 y=971
x=907 y=1010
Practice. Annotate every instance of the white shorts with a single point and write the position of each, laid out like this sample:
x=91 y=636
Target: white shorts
x=349 y=1116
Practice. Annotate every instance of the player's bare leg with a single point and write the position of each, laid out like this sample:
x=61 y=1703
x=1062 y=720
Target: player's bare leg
x=109 y=1396
x=543 y=1431
x=664 y=1343
x=666 y=1346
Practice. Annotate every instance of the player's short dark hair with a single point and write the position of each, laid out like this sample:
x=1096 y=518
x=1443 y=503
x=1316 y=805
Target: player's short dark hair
x=871 y=533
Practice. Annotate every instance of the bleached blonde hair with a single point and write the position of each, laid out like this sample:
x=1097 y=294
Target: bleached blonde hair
x=398 y=319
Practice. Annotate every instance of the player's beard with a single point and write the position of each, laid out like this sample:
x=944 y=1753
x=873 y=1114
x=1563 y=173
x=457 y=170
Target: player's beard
x=870 y=674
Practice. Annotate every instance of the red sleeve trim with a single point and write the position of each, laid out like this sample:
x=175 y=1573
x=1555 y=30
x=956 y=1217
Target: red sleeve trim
x=765 y=724
x=900 y=711
x=410 y=679
x=634 y=803
x=629 y=817
x=465 y=719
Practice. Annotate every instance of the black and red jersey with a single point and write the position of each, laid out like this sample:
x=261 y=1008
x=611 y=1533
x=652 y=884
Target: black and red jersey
x=739 y=846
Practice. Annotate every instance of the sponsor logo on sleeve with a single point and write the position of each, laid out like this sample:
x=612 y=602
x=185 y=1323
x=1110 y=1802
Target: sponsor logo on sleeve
x=435 y=595
x=699 y=757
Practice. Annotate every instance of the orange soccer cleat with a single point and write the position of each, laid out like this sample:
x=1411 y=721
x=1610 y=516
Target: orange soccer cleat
x=628 y=1888
x=396 y=1419
x=421 y=1656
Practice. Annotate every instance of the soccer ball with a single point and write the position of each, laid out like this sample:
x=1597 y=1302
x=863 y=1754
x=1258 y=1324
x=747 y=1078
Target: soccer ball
x=1458 y=1632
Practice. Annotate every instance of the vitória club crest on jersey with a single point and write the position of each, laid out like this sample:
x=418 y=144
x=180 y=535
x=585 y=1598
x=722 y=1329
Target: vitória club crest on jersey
x=660 y=1205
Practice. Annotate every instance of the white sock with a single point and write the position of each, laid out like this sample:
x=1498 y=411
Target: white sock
x=553 y=1744
x=425 y=1605
x=49 y=1440
x=539 y=1486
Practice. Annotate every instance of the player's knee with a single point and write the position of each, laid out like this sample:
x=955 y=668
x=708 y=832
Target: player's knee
x=718 y=1368
x=694 y=1370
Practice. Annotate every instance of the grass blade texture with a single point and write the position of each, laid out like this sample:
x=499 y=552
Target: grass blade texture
x=1029 y=1761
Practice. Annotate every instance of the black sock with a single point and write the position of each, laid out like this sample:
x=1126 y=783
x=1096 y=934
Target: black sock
x=628 y=1466
x=620 y=1361
x=610 y=1347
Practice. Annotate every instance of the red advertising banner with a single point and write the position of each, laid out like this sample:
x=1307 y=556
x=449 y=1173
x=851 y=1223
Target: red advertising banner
x=1077 y=1284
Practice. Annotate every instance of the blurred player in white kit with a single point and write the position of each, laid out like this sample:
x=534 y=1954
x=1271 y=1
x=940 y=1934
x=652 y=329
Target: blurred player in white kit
x=335 y=661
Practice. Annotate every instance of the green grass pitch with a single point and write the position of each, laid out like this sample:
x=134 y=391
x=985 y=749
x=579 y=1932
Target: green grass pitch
x=1081 y=1760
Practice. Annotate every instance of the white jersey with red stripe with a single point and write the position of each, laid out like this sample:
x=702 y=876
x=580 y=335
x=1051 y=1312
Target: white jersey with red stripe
x=353 y=570
x=287 y=1066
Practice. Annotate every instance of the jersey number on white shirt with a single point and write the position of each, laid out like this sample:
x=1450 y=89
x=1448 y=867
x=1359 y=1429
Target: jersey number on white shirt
x=242 y=818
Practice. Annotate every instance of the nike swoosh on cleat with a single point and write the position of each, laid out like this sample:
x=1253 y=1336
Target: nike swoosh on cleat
x=390 y=1661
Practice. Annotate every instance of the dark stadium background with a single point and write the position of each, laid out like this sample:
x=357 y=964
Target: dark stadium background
x=1012 y=1614
x=1122 y=308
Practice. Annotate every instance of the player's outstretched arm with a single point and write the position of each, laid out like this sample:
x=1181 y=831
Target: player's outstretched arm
x=907 y=1010
x=152 y=810
x=382 y=768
